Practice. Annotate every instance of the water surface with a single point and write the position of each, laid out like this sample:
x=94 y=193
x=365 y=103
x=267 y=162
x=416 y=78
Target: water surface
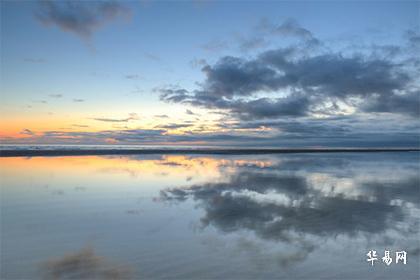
x=210 y=216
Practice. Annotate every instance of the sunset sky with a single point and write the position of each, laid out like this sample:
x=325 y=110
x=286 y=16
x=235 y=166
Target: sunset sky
x=275 y=74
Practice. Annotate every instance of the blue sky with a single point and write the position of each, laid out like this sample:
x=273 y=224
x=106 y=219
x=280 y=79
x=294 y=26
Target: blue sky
x=55 y=78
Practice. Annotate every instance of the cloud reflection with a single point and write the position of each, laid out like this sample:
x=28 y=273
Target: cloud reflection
x=84 y=264
x=288 y=203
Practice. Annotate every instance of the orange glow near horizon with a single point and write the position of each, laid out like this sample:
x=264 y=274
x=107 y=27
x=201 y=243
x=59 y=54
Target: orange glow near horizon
x=12 y=127
x=173 y=165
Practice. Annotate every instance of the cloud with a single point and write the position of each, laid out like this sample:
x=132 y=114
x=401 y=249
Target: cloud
x=27 y=132
x=161 y=116
x=356 y=130
x=132 y=116
x=34 y=60
x=173 y=94
x=79 y=125
x=215 y=45
x=198 y=62
x=251 y=43
x=80 y=18
x=288 y=82
x=40 y=101
x=131 y=136
x=55 y=95
x=295 y=199
x=267 y=32
x=78 y=100
x=175 y=126
x=189 y=112
x=343 y=132
x=413 y=37
x=307 y=128
x=132 y=76
x=407 y=103
x=296 y=105
x=290 y=27
x=152 y=56
x=84 y=264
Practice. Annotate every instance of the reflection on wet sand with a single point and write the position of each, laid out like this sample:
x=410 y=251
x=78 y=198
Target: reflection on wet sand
x=288 y=202
x=215 y=217
x=135 y=166
x=84 y=264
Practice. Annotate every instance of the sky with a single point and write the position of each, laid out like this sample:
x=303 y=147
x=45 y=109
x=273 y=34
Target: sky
x=219 y=73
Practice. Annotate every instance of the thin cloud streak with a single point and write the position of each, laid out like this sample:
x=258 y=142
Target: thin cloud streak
x=132 y=116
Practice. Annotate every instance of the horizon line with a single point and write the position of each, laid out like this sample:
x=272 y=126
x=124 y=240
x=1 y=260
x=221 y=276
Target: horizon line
x=168 y=150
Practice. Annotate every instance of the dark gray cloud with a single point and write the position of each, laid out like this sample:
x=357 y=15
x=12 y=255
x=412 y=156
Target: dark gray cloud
x=296 y=85
x=295 y=105
x=130 y=136
x=290 y=127
x=122 y=136
x=325 y=138
x=407 y=103
x=173 y=94
x=78 y=17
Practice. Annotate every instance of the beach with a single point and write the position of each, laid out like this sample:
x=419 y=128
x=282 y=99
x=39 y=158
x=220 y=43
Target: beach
x=160 y=216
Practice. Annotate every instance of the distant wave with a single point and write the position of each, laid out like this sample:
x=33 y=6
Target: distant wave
x=73 y=150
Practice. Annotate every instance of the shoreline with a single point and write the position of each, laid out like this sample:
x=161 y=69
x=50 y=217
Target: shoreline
x=88 y=152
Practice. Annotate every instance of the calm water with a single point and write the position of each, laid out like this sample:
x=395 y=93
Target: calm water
x=194 y=217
